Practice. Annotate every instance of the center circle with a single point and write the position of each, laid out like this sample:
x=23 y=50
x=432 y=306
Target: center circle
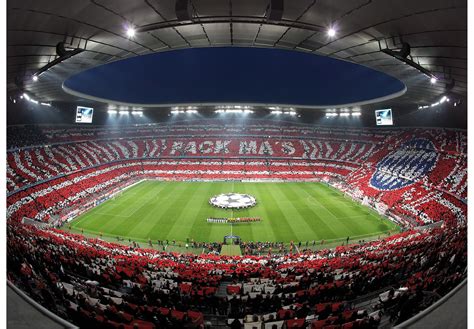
x=232 y=201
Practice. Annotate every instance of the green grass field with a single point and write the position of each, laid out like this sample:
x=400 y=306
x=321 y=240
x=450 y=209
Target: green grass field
x=178 y=211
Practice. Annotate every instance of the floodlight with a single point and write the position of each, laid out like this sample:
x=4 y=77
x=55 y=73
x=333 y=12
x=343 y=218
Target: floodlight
x=130 y=32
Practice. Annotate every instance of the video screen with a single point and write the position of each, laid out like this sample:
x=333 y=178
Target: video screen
x=84 y=114
x=384 y=117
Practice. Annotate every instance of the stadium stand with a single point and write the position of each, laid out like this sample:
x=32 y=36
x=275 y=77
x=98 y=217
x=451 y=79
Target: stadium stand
x=400 y=166
x=416 y=176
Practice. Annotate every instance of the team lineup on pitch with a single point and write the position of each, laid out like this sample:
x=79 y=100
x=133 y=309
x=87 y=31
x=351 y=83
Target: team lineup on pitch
x=177 y=211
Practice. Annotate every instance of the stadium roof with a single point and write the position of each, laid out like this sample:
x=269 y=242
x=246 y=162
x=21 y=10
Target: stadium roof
x=435 y=30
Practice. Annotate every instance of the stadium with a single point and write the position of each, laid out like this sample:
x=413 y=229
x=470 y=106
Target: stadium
x=236 y=164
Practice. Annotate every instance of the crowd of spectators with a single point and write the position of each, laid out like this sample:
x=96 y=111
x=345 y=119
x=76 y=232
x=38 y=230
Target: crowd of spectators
x=94 y=283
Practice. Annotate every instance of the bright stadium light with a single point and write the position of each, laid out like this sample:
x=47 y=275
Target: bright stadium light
x=345 y=114
x=191 y=111
x=130 y=32
x=356 y=114
x=277 y=112
x=331 y=32
x=248 y=111
x=46 y=104
x=35 y=78
x=112 y=111
x=123 y=112
x=433 y=80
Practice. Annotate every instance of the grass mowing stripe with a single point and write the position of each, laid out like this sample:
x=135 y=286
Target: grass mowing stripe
x=309 y=192
x=295 y=214
x=266 y=230
x=183 y=222
x=282 y=228
x=250 y=230
x=201 y=229
x=348 y=228
x=145 y=214
x=94 y=219
x=306 y=214
x=168 y=210
x=323 y=224
x=183 y=201
x=157 y=211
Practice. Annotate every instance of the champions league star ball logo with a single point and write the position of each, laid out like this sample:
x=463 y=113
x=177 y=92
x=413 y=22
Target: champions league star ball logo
x=405 y=166
x=233 y=201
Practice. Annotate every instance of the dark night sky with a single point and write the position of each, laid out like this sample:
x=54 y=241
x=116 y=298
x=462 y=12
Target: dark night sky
x=231 y=74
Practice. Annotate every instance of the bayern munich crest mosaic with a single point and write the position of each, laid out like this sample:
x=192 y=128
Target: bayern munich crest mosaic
x=405 y=165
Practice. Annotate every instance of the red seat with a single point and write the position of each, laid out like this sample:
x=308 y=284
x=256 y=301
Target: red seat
x=295 y=323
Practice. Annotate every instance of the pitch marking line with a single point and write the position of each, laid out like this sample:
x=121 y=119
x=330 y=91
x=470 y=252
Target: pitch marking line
x=357 y=216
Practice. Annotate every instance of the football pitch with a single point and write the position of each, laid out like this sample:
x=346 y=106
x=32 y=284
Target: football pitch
x=178 y=211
